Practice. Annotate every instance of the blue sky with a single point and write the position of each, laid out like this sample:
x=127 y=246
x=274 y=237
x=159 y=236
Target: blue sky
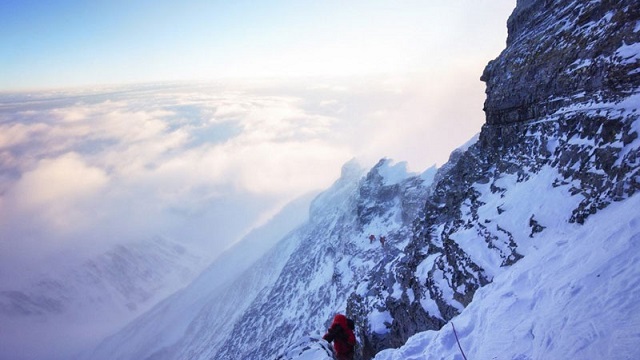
x=69 y=43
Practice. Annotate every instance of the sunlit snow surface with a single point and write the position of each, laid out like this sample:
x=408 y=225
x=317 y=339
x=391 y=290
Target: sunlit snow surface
x=576 y=296
x=308 y=348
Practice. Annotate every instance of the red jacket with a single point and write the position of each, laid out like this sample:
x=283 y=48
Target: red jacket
x=343 y=338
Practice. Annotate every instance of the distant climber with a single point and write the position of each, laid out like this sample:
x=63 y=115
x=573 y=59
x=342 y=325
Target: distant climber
x=341 y=334
x=382 y=240
x=372 y=238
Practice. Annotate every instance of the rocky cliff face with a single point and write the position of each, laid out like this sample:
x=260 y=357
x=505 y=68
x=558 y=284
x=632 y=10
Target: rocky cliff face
x=562 y=52
x=561 y=109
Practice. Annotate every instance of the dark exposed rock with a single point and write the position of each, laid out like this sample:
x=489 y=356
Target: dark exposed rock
x=560 y=52
x=535 y=226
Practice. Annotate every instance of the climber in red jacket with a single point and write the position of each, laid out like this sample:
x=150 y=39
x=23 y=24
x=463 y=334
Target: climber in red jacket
x=342 y=336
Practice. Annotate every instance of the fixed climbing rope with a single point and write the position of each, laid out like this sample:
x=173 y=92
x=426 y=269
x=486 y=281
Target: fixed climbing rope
x=458 y=341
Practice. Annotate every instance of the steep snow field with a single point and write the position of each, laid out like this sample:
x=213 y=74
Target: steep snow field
x=576 y=296
x=334 y=257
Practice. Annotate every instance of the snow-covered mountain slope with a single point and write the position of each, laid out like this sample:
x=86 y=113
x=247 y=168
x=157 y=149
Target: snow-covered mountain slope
x=196 y=318
x=573 y=297
x=560 y=144
x=86 y=302
x=336 y=254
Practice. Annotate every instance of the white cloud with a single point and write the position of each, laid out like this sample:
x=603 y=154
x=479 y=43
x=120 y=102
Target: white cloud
x=201 y=164
x=58 y=181
x=231 y=109
x=58 y=200
x=14 y=134
x=287 y=168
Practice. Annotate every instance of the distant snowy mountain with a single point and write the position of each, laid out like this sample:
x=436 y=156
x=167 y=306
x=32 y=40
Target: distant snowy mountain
x=88 y=301
x=196 y=319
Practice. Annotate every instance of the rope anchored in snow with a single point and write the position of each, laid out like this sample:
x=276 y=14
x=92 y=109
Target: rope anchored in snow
x=458 y=341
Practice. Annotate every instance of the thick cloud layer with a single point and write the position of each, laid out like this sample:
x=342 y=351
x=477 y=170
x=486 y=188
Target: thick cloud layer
x=201 y=163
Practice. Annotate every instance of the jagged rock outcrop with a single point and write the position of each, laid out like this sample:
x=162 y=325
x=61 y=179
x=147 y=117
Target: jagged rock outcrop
x=562 y=109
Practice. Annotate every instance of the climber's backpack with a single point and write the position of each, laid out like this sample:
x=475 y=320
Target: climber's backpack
x=351 y=324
